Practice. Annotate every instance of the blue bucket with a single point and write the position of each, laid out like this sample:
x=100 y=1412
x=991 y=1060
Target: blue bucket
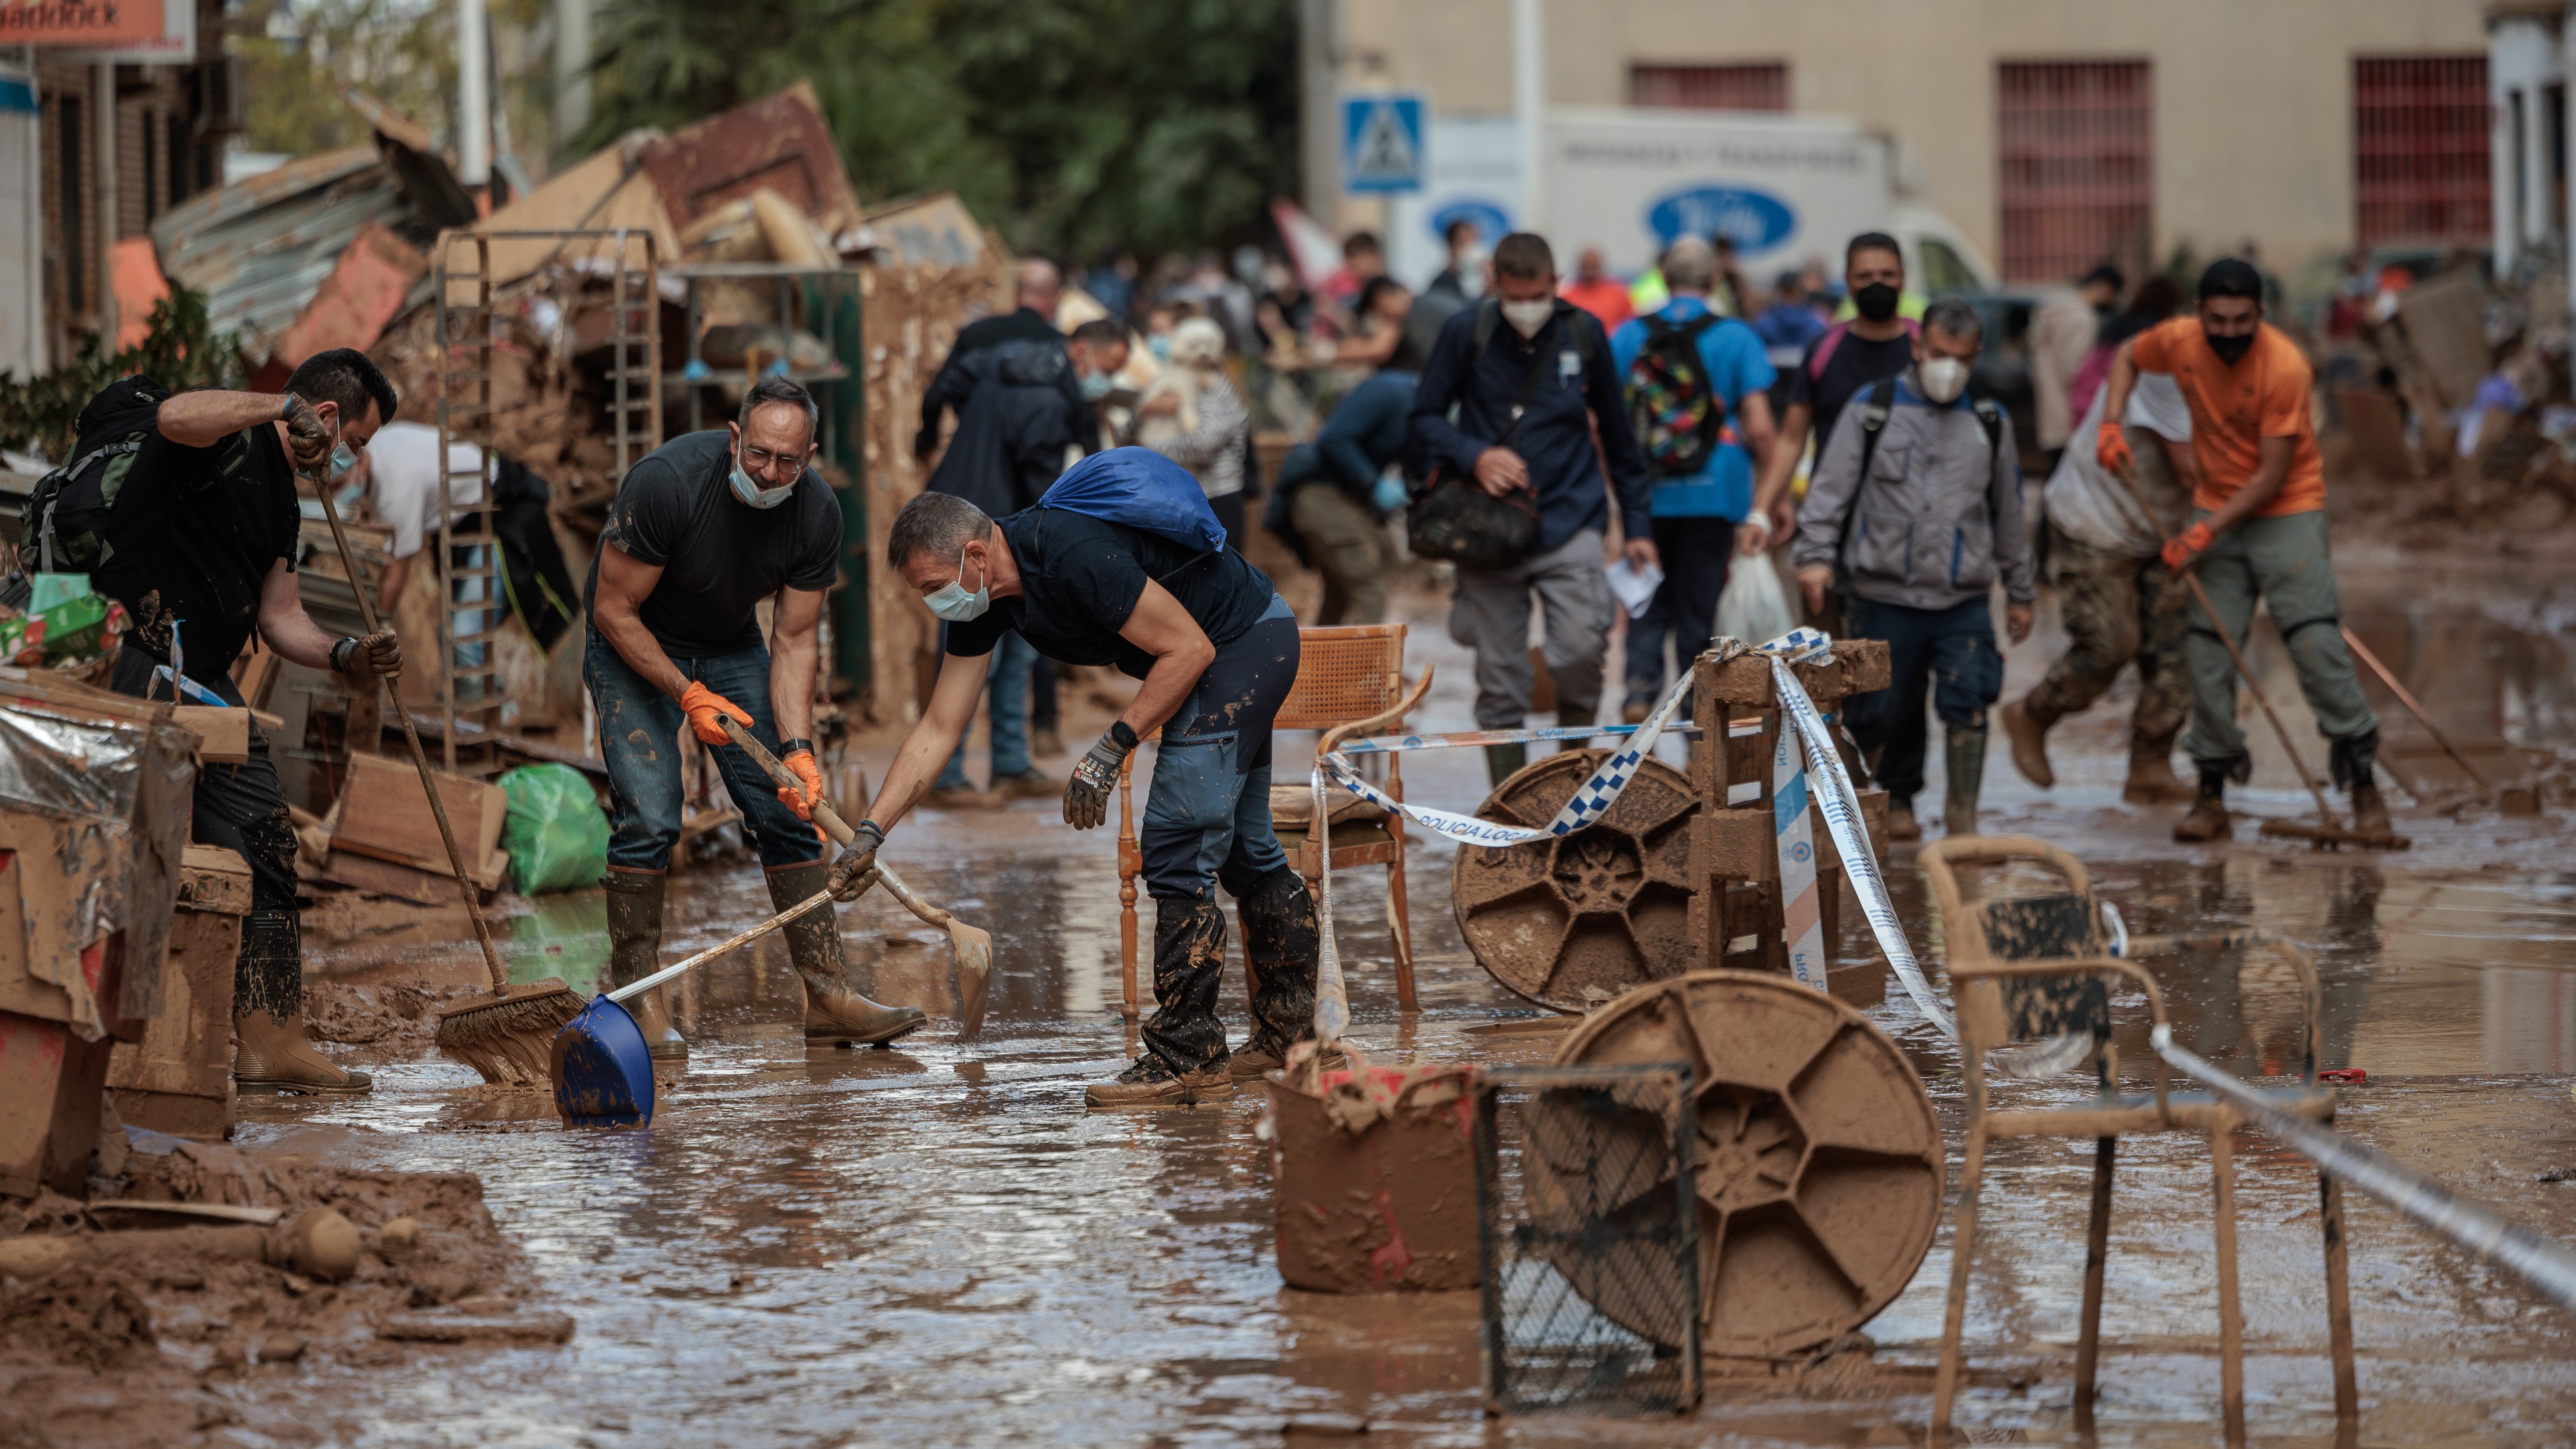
x=603 y=1069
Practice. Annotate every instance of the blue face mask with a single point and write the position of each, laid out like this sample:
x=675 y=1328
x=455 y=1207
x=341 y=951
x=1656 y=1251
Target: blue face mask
x=755 y=495
x=342 y=460
x=951 y=602
x=1097 y=385
x=1160 y=345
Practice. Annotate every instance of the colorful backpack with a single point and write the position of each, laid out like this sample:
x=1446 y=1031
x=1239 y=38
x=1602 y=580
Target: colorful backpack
x=1679 y=415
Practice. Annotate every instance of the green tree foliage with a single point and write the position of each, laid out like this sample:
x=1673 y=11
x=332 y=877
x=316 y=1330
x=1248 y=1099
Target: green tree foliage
x=181 y=351
x=1155 y=125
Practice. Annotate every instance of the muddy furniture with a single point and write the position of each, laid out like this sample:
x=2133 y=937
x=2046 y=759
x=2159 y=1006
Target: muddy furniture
x=179 y=1078
x=1374 y=1180
x=1735 y=915
x=1344 y=674
x=2033 y=968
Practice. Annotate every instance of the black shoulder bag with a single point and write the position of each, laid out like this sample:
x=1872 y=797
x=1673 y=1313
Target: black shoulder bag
x=1452 y=516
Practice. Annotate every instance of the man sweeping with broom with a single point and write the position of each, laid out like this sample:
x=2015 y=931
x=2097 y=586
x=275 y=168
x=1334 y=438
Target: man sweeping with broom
x=702 y=529
x=2258 y=528
x=1122 y=563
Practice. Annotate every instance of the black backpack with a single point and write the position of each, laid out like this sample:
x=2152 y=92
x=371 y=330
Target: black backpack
x=64 y=527
x=1679 y=416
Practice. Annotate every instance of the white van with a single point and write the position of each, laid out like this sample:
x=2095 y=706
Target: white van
x=1785 y=188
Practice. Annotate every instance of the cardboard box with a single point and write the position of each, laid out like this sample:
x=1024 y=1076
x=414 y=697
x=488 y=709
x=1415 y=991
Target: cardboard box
x=51 y=1088
x=178 y=1079
x=223 y=735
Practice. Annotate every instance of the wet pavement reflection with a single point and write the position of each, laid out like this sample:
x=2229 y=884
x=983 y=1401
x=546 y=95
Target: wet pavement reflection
x=935 y=1244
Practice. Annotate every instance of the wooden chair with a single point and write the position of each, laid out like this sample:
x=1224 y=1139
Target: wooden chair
x=2027 y=968
x=1343 y=674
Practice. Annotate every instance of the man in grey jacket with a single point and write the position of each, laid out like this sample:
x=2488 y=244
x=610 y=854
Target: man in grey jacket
x=1918 y=496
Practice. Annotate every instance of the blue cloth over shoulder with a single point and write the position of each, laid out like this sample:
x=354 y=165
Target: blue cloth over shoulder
x=1141 y=489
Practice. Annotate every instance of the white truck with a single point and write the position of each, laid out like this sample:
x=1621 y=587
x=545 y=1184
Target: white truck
x=1786 y=188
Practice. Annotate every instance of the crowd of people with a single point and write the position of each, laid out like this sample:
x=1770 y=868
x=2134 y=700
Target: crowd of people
x=1687 y=424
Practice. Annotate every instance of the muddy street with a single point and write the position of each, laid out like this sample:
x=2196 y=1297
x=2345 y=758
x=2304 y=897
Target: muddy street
x=933 y=1243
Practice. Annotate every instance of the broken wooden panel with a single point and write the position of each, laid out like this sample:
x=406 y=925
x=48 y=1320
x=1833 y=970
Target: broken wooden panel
x=384 y=814
x=780 y=142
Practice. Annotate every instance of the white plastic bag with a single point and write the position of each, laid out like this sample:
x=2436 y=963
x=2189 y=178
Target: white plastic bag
x=1754 y=608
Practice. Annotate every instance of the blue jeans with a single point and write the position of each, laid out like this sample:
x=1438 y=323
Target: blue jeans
x=1207 y=817
x=1007 y=705
x=639 y=734
x=1950 y=654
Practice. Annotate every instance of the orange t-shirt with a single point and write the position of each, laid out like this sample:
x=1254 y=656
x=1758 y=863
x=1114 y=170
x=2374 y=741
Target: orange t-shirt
x=2265 y=395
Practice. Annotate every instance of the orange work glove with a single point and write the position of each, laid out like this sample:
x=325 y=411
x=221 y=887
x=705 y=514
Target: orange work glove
x=802 y=801
x=2111 y=447
x=703 y=705
x=2183 y=547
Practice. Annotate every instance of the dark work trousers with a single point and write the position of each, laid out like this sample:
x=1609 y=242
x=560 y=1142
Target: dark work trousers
x=1042 y=691
x=241 y=808
x=1949 y=654
x=1696 y=553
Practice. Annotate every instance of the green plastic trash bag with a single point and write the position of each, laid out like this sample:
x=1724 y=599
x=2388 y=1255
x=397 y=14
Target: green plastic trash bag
x=555 y=832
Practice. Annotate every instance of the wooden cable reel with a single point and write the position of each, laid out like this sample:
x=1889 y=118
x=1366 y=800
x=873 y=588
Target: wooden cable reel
x=1819 y=1162
x=1573 y=920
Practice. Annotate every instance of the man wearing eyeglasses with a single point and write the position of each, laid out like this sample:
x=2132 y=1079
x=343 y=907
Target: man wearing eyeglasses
x=702 y=530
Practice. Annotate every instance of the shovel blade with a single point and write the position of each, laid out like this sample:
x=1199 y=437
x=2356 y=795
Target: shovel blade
x=974 y=948
x=603 y=1069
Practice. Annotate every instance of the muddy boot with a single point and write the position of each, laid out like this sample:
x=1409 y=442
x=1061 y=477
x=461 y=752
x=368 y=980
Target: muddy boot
x=1281 y=948
x=2152 y=780
x=2351 y=761
x=2027 y=727
x=269 y=1046
x=1964 y=751
x=1184 y=1058
x=1504 y=761
x=2208 y=818
x=635 y=952
x=1901 y=824
x=834 y=1011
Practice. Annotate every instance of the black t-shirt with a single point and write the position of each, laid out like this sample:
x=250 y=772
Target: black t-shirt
x=1857 y=362
x=1080 y=579
x=203 y=526
x=719 y=556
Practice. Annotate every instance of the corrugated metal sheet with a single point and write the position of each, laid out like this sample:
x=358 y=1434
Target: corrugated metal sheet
x=2077 y=153
x=260 y=250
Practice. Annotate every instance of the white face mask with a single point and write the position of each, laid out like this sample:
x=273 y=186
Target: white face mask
x=752 y=493
x=1944 y=378
x=1527 y=317
x=951 y=602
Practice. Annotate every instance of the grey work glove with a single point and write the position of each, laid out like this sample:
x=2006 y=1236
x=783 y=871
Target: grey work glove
x=377 y=656
x=859 y=857
x=308 y=438
x=1086 y=795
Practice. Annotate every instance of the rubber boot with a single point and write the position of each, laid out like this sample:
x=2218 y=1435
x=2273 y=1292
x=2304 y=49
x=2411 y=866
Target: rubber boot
x=2351 y=762
x=834 y=1011
x=2027 y=728
x=1901 y=824
x=2208 y=818
x=1184 y=1060
x=1504 y=761
x=635 y=952
x=269 y=1046
x=2152 y=780
x=1964 y=751
x=1282 y=946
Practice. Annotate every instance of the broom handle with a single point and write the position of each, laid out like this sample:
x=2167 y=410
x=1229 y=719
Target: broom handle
x=832 y=823
x=2244 y=670
x=636 y=988
x=2406 y=697
x=465 y=887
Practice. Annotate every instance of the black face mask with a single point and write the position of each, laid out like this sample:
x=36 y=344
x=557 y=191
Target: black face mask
x=2231 y=350
x=1877 y=301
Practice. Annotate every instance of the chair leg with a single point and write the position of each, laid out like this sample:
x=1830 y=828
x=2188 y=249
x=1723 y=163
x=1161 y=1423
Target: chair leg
x=2097 y=1251
x=1963 y=1248
x=1399 y=914
x=1128 y=870
x=2231 y=1318
x=2339 y=1309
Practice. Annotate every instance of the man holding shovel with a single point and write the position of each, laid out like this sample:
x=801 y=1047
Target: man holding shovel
x=2257 y=529
x=1217 y=650
x=702 y=529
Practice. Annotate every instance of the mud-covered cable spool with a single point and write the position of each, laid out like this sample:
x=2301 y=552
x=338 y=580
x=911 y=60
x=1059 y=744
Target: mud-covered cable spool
x=1569 y=921
x=1819 y=1163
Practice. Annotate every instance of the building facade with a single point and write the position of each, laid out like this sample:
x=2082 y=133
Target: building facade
x=2054 y=133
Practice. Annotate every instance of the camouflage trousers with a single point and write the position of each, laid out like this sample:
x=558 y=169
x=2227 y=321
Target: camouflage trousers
x=2107 y=602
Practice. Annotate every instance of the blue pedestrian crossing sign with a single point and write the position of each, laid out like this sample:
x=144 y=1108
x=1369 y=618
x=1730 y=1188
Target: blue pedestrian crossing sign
x=1382 y=143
